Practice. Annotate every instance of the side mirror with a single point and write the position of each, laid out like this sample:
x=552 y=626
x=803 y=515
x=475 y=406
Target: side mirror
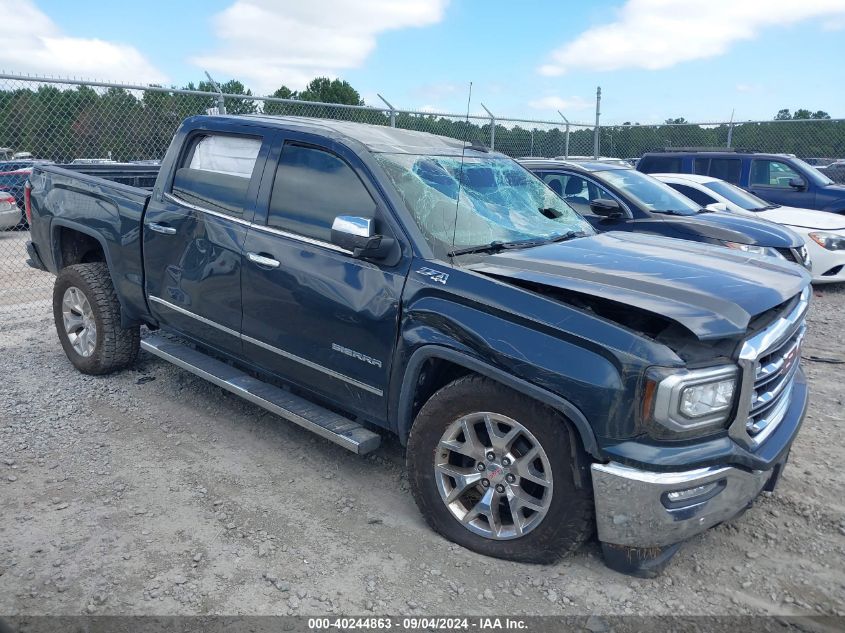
x=717 y=206
x=358 y=235
x=797 y=183
x=606 y=208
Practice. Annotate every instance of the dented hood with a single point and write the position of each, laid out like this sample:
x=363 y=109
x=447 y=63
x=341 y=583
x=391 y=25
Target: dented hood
x=712 y=291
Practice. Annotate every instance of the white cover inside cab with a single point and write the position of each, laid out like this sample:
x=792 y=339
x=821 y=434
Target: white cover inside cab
x=233 y=155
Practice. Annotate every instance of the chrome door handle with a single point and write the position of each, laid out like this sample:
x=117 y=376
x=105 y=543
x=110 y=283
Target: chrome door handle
x=161 y=228
x=261 y=260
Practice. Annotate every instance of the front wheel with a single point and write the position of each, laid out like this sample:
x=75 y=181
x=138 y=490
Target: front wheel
x=87 y=316
x=493 y=471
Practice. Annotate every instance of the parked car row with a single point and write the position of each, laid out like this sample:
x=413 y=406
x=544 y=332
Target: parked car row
x=550 y=378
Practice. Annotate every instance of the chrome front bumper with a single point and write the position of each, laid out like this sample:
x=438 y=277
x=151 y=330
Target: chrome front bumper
x=634 y=507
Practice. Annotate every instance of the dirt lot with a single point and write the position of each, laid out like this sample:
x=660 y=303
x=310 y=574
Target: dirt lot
x=153 y=492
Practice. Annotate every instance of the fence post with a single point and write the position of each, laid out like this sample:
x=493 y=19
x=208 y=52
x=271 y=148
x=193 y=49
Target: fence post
x=221 y=100
x=392 y=111
x=731 y=129
x=596 y=131
x=492 y=127
x=566 y=142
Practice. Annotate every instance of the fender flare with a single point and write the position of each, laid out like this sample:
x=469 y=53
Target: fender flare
x=426 y=352
x=61 y=223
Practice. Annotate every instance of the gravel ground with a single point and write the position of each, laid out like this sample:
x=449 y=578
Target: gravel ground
x=153 y=492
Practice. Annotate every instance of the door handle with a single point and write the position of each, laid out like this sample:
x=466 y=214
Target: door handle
x=261 y=260
x=162 y=228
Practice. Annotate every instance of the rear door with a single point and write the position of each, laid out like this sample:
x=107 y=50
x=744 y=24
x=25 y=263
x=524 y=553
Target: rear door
x=312 y=313
x=194 y=234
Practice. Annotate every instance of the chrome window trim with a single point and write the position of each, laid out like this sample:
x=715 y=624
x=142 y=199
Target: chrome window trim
x=268 y=347
x=258 y=227
x=171 y=198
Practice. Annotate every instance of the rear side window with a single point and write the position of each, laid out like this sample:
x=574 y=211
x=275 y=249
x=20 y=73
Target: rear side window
x=311 y=188
x=693 y=194
x=660 y=164
x=216 y=171
x=725 y=169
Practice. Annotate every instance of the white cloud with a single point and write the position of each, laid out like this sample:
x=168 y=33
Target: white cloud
x=33 y=43
x=267 y=43
x=656 y=34
x=571 y=104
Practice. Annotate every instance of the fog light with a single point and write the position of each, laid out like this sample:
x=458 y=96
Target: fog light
x=688 y=498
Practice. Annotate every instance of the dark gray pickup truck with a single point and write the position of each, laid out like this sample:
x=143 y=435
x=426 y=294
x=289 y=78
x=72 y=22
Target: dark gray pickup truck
x=548 y=382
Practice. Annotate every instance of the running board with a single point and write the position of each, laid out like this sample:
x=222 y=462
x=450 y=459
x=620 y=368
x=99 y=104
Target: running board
x=308 y=415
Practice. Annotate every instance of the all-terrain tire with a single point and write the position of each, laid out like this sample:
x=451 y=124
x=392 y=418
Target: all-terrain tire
x=569 y=520
x=114 y=347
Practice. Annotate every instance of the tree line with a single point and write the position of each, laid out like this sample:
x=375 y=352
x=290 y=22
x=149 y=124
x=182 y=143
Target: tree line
x=83 y=122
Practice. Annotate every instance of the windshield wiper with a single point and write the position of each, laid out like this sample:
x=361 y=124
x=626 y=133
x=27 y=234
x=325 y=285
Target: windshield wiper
x=498 y=246
x=495 y=247
x=676 y=212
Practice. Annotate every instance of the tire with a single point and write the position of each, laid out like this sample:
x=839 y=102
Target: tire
x=108 y=348
x=568 y=518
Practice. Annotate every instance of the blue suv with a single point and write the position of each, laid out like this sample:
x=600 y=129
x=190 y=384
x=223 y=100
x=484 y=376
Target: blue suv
x=778 y=178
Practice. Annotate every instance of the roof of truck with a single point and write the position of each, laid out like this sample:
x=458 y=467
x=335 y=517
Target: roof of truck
x=376 y=138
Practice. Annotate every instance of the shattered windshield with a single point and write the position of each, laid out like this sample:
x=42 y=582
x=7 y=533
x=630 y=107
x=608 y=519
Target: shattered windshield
x=499 y=201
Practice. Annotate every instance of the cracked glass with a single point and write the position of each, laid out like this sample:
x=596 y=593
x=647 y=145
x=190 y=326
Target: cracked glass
x=497 y=200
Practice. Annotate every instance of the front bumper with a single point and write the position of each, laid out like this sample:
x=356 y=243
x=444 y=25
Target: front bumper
x=634 y=507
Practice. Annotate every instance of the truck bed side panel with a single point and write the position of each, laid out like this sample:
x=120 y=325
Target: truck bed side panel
x=107 y=211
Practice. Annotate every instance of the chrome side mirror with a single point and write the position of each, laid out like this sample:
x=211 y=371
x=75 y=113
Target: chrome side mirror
x=358 y=235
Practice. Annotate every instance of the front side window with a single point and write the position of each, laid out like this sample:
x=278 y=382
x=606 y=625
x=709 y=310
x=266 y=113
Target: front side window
x=772 y=173
x=578 y=192
x=648 y=193
x=738 y=196
x=216 y=171
x=483 y=200
x=312 y=187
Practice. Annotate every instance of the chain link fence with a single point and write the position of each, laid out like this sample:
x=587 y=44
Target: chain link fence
x=67 y=121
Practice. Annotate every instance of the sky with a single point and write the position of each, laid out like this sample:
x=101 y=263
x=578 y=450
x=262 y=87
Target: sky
x=654 y=59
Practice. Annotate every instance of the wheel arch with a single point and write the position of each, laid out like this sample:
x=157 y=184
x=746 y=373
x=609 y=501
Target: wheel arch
x=460 y=364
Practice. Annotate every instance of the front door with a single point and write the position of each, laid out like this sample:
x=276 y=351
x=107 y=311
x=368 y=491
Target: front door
x=769 y=179
x=194 y=234
x=313 y=313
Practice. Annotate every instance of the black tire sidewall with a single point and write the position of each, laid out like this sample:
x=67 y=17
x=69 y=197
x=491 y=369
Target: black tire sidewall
x=72 y=277
x=569 y=520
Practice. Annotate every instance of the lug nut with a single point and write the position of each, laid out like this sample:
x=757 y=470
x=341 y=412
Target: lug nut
x=510 y=478
x=491 y=456
x=506 y=462
x=500 y=488
x=485 y=483
x=480 y=467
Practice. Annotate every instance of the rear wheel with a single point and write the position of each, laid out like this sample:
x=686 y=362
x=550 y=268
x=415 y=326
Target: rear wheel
x=87 y=316
x=492 y=470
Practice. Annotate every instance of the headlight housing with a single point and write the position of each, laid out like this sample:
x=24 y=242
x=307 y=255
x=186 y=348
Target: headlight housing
x=755 y=250
x=687 y=403
x=829 y=241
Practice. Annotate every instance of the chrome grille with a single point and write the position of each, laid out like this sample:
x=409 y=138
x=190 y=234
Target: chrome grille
x=773 y=385
x=769 y=360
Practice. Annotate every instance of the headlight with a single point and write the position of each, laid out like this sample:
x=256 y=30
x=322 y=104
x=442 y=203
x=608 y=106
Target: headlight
x=830 y=241
x=756 y=250
x=690 y=402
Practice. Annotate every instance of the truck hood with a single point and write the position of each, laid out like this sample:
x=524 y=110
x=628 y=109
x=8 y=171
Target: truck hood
x=731 y=227
x=712 y=291
x=804 y=218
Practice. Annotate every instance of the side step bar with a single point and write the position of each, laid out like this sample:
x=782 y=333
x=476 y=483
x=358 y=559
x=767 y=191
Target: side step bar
x=317 y=419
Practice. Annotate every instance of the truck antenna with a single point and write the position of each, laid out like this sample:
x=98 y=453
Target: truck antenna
x=461 y=175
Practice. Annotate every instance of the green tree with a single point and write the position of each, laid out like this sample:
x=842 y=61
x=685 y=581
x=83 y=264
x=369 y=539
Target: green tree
x=273 y=107
x=783 y=115
x=331 y=91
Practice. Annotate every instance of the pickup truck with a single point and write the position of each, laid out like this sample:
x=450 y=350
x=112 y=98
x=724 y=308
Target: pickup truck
x=548 y=382
x=778 y=178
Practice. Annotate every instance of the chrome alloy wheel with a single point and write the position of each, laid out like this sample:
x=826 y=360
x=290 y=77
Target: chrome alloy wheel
x=78 y=320
x=493 y=475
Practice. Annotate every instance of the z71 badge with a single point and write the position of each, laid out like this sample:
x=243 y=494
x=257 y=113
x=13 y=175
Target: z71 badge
x=435 y=275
